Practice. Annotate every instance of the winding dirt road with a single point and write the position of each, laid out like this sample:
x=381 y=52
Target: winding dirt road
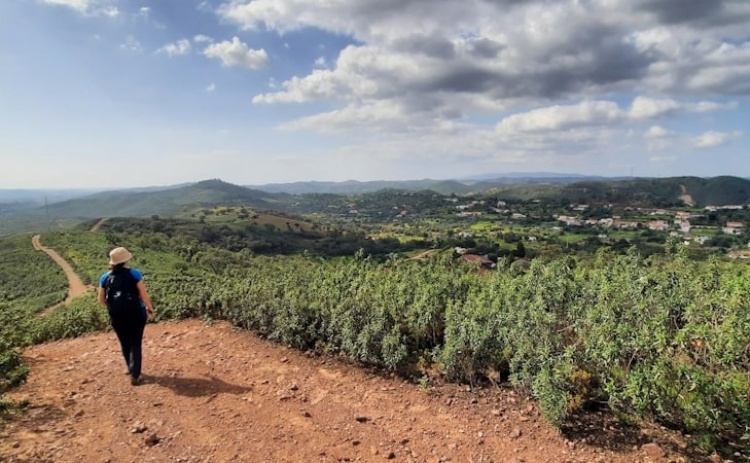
x=75 y=285
x=98 y=224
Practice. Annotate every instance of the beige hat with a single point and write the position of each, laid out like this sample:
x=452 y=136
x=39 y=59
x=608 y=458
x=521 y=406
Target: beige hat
x=119 y=256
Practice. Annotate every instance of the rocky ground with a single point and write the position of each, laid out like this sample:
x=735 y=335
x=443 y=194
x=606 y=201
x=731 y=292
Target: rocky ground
x=212 y=393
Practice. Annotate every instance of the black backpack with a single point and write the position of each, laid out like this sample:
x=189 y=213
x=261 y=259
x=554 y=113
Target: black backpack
x=121 y=293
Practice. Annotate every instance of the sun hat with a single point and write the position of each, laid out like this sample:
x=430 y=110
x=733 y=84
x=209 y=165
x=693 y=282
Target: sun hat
x=119 y=256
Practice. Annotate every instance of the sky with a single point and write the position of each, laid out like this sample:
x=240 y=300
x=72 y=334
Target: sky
x=125 y=93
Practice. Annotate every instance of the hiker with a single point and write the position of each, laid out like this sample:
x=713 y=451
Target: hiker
x=122 y=291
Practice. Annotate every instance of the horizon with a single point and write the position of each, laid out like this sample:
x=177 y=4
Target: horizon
x=510 y=176
x=116 y=94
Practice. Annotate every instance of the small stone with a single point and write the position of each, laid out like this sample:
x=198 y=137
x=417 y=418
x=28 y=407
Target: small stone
x=374 y=450
x=362 y=419
x=16 y=444
x=404 y=441
x=306 y=414
x=294 y=387
x=356 y=442
x=496 y=412
x=139 y=428
x=79 y=413
x=653 y=450
x=515 y=433
x=390 y=456
x=152 y=440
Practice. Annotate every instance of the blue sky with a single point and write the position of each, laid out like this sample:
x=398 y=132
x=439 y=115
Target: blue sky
x=121 y=93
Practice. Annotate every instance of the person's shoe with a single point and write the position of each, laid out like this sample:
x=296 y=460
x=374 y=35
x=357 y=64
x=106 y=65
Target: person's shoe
x=135 y=380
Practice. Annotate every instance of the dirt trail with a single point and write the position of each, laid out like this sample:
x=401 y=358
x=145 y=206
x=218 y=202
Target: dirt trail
x=213 y=393
x=75 y=285
x=98 y=224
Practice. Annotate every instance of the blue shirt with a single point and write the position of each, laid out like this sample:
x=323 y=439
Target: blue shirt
x=135 y=273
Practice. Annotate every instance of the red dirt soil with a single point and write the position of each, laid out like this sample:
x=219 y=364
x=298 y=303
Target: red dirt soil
x=214 y=393
x=75 y=284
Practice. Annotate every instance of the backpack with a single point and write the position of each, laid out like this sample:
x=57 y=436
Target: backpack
x=121 y=293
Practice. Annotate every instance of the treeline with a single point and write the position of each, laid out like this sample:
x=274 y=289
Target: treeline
x=262 y=238
x=664 y=338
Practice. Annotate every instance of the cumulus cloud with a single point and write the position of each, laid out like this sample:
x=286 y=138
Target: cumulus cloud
x=714 y=139
x=236 y=53
x=200 y=38
x=647 y=108
x=88 y=7
x=657 y=131
x=484 y=56
x=596 y=113
x=180 y=47
x=587 y=113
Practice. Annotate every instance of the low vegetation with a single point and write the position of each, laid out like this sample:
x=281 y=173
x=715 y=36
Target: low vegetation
x=664 y=337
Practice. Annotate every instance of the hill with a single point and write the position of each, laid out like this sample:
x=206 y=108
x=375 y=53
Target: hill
x=446 y=187
x=135 y=203
x=639 y=192
x=166 y=202
x=718 y=191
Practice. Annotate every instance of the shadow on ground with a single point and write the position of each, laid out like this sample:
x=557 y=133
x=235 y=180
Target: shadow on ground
x=196 y=387
x=602 y=429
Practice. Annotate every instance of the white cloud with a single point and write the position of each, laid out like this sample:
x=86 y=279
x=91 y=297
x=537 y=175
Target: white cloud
x=647 y=108
x=200 y=38
x=211 y=87
x=707 y=106
x=587 y=113
x=180 y=47
x=237 y=53
x=657 y=131
x=714 y=139
x=110 y=11
x=88 y=7
x=131 y=44
x=144 y=11
x=479 y=57
x=320 y=62
x=78 y=5
x=374 y=115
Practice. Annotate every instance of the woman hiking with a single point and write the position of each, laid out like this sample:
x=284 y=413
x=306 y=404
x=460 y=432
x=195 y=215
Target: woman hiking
x=123 y=292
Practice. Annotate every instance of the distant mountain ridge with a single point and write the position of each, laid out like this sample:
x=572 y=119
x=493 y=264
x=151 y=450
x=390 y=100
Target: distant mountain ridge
x=661 y=192
x=464 y=185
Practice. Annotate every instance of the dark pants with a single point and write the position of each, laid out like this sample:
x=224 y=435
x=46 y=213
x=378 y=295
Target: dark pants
x=129 y=329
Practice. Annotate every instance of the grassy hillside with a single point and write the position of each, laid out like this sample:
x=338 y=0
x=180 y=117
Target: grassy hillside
x=717 y=191
x=167 y=202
